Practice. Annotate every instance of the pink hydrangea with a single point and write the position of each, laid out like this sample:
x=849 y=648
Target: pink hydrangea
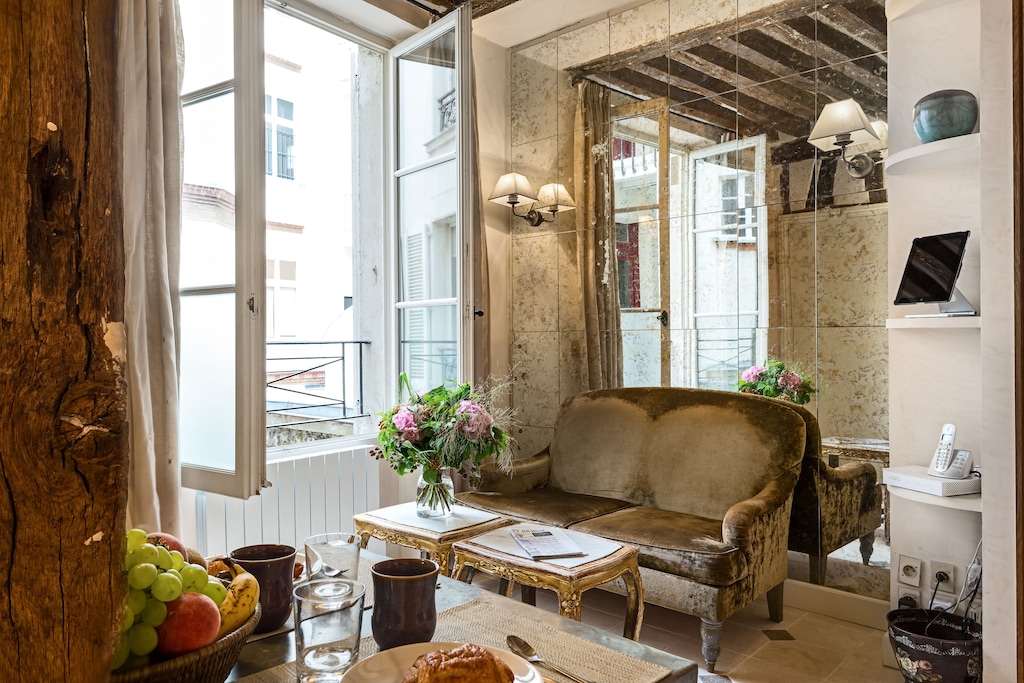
x=752 y=373
x=478 y=422
x=790 y=381
x=405 y=420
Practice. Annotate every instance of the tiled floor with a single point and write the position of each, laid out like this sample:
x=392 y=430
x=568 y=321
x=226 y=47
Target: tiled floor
x=804 y=648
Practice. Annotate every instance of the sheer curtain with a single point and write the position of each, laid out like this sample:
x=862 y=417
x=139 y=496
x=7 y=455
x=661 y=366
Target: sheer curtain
x=595 y=230
x=151 y=61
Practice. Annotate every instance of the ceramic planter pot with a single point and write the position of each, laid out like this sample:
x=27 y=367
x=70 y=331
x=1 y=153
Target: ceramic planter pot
x=934 y=646
x=945 y=114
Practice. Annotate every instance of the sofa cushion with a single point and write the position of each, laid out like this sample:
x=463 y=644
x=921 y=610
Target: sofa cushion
x=669 y=447
x=673 y=542
x=545 y=505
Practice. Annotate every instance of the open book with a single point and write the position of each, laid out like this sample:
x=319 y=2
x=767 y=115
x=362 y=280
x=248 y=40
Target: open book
x=546 y=543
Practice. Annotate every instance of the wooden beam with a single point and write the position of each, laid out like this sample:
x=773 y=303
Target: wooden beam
x=841 y=19
x=785 y=33
x=63 y=430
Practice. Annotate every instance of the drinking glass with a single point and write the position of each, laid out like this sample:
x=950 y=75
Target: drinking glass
x=332 y=555
x=328 y=621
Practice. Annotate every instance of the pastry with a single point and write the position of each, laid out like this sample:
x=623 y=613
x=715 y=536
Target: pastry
x=464 y=664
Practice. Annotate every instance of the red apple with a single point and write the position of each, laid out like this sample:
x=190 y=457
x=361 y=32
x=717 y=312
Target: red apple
x=168 y=541
x=192 y=622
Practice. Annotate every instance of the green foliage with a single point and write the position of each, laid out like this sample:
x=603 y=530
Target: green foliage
x=774 y=380
x=457 y=428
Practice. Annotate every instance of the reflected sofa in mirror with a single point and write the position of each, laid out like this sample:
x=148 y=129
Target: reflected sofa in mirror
x=801 y=245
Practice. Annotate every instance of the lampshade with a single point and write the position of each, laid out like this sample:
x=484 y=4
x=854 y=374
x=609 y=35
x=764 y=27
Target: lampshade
x=554 y=197
x=512 y=189
x=843 y=118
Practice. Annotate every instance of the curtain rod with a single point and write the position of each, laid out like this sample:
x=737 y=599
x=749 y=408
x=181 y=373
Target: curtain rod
x=425 y=8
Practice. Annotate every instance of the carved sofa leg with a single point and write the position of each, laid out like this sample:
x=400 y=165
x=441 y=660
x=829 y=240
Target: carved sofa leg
x=775 y=602
x=710 y=641
x=867 y=546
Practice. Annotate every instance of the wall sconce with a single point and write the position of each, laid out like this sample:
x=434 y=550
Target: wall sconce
x=513 y=188
x=841 y=124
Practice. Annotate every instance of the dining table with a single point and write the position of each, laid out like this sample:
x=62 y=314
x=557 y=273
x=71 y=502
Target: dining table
x=468 y=613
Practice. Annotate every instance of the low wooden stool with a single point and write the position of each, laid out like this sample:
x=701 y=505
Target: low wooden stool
x=497 y=553
x=432 y=536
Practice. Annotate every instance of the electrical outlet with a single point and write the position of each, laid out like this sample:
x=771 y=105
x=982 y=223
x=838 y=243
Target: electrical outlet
x=975 y=611
x=944 y=601
x=910 y=571
x=907 y=595
x=950 y=584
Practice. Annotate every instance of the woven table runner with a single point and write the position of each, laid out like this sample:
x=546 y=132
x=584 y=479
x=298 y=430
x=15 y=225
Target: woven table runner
x=477 y=622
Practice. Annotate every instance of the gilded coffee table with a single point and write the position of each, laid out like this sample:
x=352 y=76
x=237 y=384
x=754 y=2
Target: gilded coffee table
x=497 y=553
x=434 y=536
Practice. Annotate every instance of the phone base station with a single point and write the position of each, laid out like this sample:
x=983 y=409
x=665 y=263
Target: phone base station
x=916 y=478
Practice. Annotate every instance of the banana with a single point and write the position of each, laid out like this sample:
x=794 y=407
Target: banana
x=240 y=603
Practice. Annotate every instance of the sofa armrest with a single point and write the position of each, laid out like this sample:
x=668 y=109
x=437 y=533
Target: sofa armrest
x=850 y=487
x=525 y=475
x=745 y=521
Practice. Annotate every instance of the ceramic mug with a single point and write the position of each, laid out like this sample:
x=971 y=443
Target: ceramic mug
x=404 y=610
x=273 y=566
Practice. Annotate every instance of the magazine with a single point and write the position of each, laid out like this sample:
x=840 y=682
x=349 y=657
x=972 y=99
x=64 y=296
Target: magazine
x=546 y=543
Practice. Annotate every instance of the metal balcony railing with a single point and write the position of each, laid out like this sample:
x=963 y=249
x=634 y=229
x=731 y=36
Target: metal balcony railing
x=314 y=389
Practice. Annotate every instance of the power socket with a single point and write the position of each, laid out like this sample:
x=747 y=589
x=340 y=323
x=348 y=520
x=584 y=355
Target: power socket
x=909 y=571
x=950 y=584
x=909 y=597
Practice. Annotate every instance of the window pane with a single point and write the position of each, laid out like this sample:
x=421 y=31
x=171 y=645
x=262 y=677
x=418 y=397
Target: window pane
x=429 y=347
x=208 y=27
x=426 y=101
x=208 y=209
x=428 y=254
x=207 y=405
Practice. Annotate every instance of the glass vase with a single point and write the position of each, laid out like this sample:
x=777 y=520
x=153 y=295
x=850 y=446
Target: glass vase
x=435 y=493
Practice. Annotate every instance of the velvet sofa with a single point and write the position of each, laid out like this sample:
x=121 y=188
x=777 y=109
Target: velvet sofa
x=700 y=481
x=832 y=506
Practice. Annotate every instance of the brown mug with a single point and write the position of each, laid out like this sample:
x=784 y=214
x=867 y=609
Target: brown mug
x=273 y=566
x=404 y=610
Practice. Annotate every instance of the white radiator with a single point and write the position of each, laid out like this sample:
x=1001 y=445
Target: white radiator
x=310 y=494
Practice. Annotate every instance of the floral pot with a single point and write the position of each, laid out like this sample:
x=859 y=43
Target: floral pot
x=435 y=493
x=932 y=646
x=945 y=114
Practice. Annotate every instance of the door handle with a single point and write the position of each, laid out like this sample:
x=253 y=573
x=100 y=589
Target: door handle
x=663 y=318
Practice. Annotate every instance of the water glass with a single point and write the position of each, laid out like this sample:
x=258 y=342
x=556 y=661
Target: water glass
x=328 y=622
x=333 y=555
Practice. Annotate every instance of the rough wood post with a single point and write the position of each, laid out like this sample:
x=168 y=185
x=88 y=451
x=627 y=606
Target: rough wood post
x=63 y=447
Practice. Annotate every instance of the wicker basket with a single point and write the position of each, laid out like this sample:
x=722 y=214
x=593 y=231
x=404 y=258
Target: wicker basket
x=210 y=664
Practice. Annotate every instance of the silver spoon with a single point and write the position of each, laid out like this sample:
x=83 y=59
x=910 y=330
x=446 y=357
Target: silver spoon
x=526 y=651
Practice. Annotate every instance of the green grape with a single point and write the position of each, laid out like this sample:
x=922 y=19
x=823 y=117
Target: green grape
x=134 y=538
x=144 y=554
x=127 y=618
x=124 y=648
x=164 y=559
x=194 y=578
x=142 y=575
x=154 y=613
x=135 y=661
x=177 y=559
x=142 y=639
x=166 y=587
x=215 y=590
x=136 y=600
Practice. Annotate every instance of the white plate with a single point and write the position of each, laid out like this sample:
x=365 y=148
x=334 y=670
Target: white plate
x=390 y=666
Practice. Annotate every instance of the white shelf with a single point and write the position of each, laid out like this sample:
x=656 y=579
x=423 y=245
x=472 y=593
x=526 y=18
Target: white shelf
x=894 y=9
x=970 y=502
x=963 y=149
x=953 y=322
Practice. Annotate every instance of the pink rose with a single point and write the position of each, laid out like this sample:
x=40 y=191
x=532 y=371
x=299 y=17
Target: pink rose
x=790 y=381
x=405 y=420
x=752 y=373
x=478 y=421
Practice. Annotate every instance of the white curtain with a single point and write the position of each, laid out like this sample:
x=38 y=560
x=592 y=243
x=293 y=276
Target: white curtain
x=151 y=61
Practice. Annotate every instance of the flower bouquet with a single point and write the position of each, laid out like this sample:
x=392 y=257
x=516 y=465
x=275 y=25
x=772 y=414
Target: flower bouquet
x=775 y=381
x=444 y=429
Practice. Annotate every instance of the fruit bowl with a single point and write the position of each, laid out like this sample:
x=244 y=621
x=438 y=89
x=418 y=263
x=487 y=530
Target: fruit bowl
x=210 y=664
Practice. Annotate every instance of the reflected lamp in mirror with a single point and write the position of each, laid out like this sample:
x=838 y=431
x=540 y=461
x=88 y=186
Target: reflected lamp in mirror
x=513 y=189
x=842 y=124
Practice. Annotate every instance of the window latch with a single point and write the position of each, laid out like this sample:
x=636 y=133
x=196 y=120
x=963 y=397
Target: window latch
x=663 y=318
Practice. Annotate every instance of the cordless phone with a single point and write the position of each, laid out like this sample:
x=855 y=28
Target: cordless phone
x=948 y=462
